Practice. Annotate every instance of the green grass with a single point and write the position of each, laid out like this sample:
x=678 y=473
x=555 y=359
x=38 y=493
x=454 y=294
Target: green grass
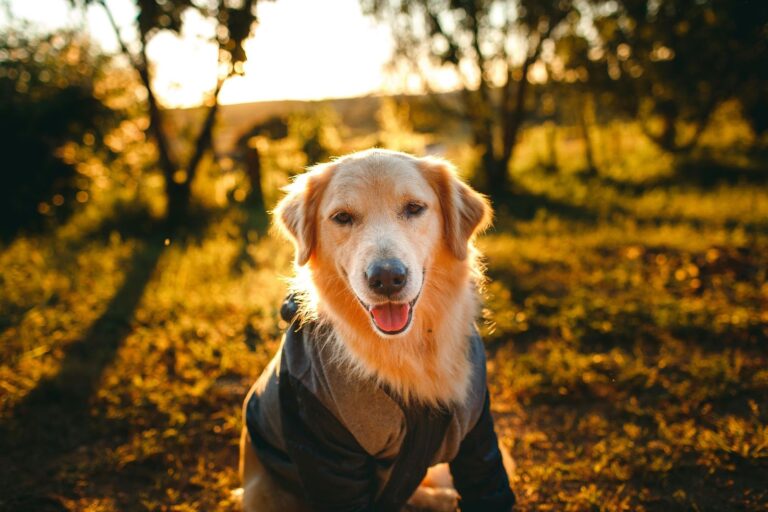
x=626 y=322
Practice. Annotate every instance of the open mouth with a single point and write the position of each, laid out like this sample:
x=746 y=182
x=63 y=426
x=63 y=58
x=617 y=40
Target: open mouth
x=391 y=317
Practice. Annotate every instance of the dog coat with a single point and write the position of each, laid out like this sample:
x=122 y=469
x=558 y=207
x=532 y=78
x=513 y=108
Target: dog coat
x=345 y=443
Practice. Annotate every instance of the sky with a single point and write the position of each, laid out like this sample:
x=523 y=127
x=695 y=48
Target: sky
x=301 y=49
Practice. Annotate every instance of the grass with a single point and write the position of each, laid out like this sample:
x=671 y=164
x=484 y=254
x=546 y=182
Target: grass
x=626 y=323
x=636 y=375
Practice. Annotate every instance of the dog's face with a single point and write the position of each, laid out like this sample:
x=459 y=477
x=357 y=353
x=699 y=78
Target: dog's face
x=379 y=218
x=380 y=225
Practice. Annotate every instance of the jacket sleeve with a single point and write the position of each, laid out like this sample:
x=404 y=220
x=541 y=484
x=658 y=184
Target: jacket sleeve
x=478 y=471
x=335 y=471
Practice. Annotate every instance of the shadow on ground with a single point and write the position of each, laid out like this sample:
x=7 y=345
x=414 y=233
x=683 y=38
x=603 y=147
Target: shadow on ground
x=55 y=419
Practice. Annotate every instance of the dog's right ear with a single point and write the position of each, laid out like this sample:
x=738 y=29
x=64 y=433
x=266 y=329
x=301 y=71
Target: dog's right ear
x=296 y=213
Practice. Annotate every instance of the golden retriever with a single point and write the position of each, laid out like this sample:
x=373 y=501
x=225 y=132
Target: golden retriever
x=387 y=269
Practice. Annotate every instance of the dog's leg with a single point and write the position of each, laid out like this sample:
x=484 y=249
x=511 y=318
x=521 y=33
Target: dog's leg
x=436 y=491
x=260 y=492
x=510 y=467
x=435 y=499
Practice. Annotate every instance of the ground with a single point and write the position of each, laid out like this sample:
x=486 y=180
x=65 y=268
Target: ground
x=626 y=323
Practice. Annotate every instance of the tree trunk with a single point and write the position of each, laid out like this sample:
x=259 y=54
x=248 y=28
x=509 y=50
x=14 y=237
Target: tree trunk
x=492 y=176
x=497 y=174
x=668 y=136
x=179 y=191
x=178 y=196
x=177 y=188
x=253 y=168
x=486 y=179
x=514 y=114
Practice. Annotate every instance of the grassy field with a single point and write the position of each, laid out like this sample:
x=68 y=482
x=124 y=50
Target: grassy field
x=626 y=322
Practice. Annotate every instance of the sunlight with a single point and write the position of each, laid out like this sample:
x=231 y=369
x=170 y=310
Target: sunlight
x=329 y=51
x=143 y=277
x=316 y=60
x=301 y=49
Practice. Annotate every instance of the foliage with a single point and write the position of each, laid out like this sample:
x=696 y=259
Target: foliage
x=677 y=61
x=47 y=99
x=232 y=25
x=625 y=324
x=396 y=130
x=318 y=132
x=670 y=65
x=490 y=46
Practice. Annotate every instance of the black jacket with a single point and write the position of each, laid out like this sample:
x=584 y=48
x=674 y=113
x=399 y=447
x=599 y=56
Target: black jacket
x=346 y=444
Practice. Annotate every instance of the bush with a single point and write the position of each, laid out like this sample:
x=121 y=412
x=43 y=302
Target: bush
x=46 y=99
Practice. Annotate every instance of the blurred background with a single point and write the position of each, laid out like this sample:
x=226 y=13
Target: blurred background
x=624 y=144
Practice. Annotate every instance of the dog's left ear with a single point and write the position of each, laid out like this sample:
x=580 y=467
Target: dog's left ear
x=465 y=212
x=296 y=213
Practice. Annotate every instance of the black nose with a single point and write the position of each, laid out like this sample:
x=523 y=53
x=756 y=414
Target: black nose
x=386 y=277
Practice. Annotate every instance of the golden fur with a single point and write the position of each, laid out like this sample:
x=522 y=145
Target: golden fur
x=428 y=361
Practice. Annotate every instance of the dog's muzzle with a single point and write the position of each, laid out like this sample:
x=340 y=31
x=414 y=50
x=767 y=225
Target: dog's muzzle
x=387 y=278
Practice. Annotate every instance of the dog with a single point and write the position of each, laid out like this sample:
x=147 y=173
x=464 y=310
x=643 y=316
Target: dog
x=377 y=398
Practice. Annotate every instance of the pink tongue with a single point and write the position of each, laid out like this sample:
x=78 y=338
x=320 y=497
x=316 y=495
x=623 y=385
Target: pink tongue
x=391 y=317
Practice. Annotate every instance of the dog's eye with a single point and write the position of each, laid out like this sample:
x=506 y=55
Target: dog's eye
x=414 y=209
x=342 y=218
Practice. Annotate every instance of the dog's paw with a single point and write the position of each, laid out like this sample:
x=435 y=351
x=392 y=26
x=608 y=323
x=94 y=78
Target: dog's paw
x=437 y=499
x=445 y=500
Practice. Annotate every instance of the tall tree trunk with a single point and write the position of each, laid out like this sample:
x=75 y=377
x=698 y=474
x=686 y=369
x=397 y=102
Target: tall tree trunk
x=175 y=194
x=497 y=174
x=514 y=113
x=494 y=171
x=177 y=182
x=488 y=177
x=178 y=195
x=179 y=191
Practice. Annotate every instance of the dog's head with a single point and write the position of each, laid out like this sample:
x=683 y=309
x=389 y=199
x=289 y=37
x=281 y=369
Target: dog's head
x=377 y=219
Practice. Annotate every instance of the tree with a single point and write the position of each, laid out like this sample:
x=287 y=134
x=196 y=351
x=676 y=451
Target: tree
x=46 y=99
x=491 y=46
x=234 y=20
x=678 y=60
x=573 y=79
